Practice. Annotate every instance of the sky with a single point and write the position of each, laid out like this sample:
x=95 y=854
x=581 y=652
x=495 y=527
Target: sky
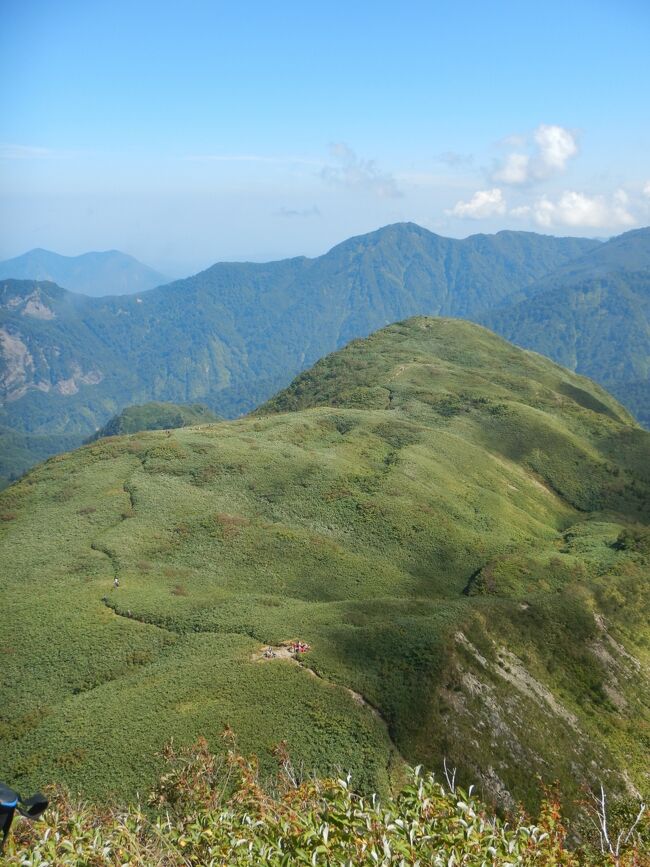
x=188 y=133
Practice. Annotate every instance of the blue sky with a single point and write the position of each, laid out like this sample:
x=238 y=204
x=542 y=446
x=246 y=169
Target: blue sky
x=185 y=133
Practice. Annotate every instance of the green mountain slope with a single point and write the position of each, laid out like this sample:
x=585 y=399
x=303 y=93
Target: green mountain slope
x=626 y=253
x=234 y=334
x=107 y=273
x=592 y=315
x=599 y=326
x=457 y=527
x=154 y=416
x=19 y=451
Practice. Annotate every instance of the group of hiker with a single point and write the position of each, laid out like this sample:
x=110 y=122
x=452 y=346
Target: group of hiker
x=294 y=647
x=299 y=647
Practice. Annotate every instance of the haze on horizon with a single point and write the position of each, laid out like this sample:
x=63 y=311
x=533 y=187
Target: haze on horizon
x=187 y=135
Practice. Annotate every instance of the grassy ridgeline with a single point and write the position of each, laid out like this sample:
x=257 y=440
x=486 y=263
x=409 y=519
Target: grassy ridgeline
x=456 y=526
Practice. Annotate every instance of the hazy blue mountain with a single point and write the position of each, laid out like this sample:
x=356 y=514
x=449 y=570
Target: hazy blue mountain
x=629 y=252
x=96 y=274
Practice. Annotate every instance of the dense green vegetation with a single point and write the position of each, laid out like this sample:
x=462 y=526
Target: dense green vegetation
x=457 y=527
x=108 y=273
x=19 y=451
x=627 y=253
x=219 y=812
x=154 y=416
x=594 y=317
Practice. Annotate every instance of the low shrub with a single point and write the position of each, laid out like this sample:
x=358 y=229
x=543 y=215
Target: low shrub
x=214 y=811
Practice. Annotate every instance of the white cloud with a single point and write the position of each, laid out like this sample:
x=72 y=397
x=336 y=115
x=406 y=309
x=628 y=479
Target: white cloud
x=484 y=203
x=578 y=209
x=513 y=170
x=556 y=146
x=351 y=171
x=550 y=148
x=646 y=190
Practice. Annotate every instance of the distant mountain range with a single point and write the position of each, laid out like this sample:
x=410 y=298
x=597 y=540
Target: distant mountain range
x=95 y=274
x=234 y=334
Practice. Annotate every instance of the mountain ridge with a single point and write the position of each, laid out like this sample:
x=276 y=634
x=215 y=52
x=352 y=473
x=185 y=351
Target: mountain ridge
x=592 y=315
x=455 y=526
x=235 y=333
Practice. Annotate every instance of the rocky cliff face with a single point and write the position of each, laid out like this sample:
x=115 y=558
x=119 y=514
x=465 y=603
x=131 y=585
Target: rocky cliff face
x=27 y=364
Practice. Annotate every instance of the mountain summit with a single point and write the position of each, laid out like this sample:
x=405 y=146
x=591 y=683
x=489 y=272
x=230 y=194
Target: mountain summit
x=95 y=274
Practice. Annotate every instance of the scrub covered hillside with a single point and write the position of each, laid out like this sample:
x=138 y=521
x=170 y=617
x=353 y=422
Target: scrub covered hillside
x=458 y=528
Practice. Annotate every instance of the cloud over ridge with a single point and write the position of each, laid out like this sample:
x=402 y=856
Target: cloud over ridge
x=484 y=203
x=548 y=151
x=574 y=208
x=352 y=171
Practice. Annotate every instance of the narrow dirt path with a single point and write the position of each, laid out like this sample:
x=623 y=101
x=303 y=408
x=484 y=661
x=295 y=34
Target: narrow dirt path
x=281 y=652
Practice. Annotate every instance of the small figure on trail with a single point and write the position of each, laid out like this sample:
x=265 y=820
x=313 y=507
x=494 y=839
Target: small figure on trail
x=269 y=653
x=299 y=647
x=116 y=582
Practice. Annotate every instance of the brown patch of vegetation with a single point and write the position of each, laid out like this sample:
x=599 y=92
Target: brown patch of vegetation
x=337 y=492
x=71 y=759
x=227 y=520
x=230 y=524
x=64 y=494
